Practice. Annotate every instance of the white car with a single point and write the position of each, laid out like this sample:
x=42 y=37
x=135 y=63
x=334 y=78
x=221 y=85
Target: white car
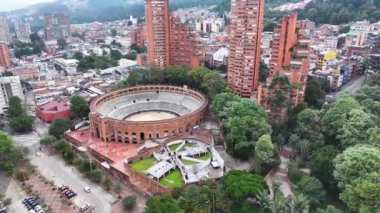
x=87 y=189
x=85 y=207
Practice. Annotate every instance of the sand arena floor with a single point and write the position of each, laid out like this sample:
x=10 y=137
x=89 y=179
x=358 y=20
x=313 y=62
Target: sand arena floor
x=151 y=116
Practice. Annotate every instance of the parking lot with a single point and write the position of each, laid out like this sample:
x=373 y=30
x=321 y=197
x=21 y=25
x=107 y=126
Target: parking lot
x=54 y=168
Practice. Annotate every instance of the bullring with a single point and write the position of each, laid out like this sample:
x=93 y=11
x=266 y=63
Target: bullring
x=151 y=112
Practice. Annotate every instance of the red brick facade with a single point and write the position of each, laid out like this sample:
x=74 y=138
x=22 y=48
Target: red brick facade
x=245 y=40
x=290 y=58
x=5 y=60
x=108 y=129
x=169 y=41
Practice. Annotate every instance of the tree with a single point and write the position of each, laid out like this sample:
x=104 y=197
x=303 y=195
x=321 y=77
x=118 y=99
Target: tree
x=336 y=116
x=113 y=32
x=264 y=149
x=329 y=209
x=62 y=43
x=263 y=71
x=116 y=55
x=23 y=123
x=213 y=83
x=48 y=140
x=240 y=185
x=107 y=183
x=78 y=56
x=314 y=95
x=355 y=129
x=222 y=102
x=312 y=188
x=161 y=204
x=194 y=199
x=356 y=162
x=61 y=146
x=129 y=202
x=363 y=194
x=15 y=107
x=95 y=175
x=322 y=167
x=59 y=127
x=79 y=107
x=10 y=155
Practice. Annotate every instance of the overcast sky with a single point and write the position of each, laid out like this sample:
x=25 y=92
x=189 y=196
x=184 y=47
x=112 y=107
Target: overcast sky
x=6 y=5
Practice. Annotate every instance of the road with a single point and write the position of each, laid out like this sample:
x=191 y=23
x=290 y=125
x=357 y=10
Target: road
x=54 y=168
x=12 y=190
x=351 y=87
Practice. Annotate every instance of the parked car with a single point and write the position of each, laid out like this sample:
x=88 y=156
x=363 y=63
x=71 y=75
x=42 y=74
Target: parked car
x=85 y=207
x=71 y=195
x=87 y=189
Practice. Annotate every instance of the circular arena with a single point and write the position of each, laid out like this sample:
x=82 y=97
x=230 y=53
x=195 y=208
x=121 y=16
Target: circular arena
x=140 y=113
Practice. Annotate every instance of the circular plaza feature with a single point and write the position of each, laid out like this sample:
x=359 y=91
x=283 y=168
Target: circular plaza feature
x=140 y=113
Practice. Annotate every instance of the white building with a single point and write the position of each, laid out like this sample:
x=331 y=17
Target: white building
x=330 y=42
x=9 y=87
x=68 y=65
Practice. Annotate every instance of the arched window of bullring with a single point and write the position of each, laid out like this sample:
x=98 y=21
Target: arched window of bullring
x=126 y=137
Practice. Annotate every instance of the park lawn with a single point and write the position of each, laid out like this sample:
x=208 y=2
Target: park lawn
x=144 y=164
x=188 y=162
x=204 y=157
x=174 y=146
x=173 y=179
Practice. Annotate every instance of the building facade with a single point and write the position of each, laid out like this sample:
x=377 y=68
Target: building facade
x=5 y=36
x=245 y=41
x=374 y=62
x=289 y=58
x=170 y=42
x=158 y=31
x=9 y=87
x=57 y=26
x=53 y=110
x=5 y=60
x=22 y=30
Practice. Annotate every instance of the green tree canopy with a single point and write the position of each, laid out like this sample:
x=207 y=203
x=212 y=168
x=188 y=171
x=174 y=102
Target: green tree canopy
x=322 y=167
x=312 y=188
x=79 y=107
x=264 y=149
x=240 y=185
x=314 y=94
x=355 y=162
x=62 y=43
x=23 y=123
x=337 y=115
x=162 y=204
x=363 y=193
x=15 y=107
x=59 y=127
x=10 y=155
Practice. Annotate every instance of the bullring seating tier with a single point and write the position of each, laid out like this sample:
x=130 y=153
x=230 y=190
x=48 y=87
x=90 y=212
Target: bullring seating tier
x=124 y=106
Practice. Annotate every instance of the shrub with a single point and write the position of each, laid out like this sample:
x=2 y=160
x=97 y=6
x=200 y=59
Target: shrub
x=294 y=174
x=129 y=202
x=7 y=201
x=21 y=176
x=48 y=140
x=95 y=176
x=107 y=183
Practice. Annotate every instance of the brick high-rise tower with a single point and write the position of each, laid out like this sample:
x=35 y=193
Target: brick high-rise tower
x=4 y=29
x=170 y=42
x=245 y=40
x=289 y=58
x=5 y=60
x=158 y=31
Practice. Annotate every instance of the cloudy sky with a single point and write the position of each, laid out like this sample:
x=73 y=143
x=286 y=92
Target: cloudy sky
x=6 y=5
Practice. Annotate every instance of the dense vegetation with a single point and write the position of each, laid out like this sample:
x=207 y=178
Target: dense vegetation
x=11 y=156
x=34 y=47
x=342 y=11
x=20 y=121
